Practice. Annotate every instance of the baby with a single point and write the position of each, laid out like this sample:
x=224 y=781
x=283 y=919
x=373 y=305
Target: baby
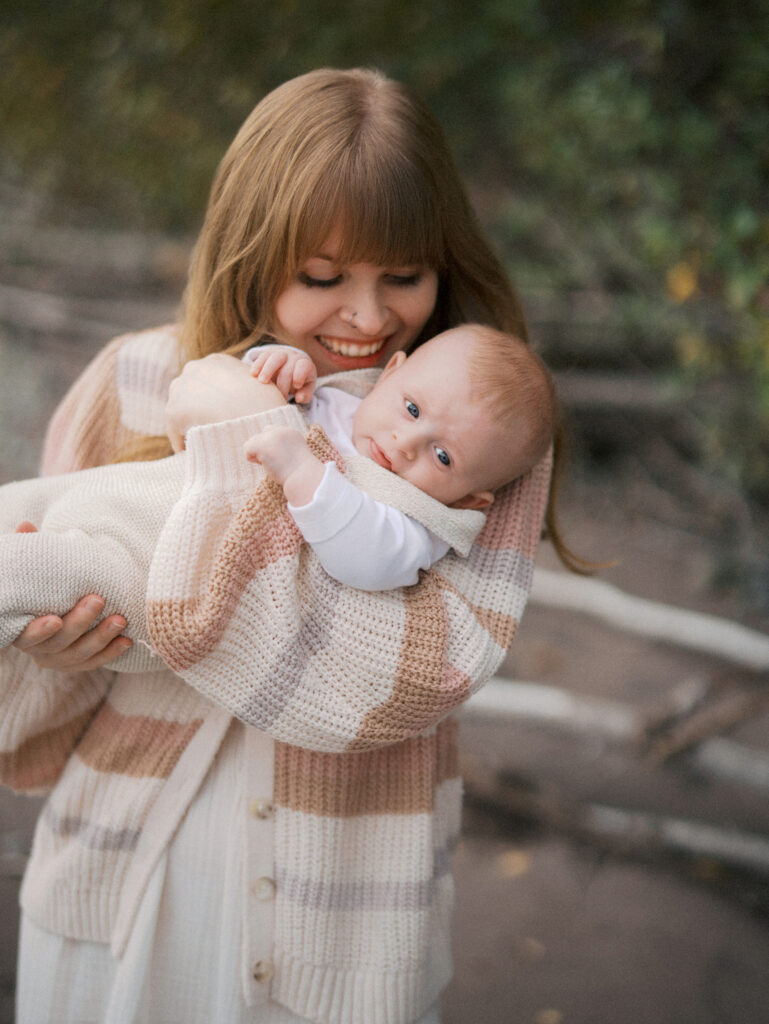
x=424 y=451
x=466 y=413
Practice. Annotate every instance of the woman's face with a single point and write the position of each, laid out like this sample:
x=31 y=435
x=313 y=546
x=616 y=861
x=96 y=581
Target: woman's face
x=390 y=305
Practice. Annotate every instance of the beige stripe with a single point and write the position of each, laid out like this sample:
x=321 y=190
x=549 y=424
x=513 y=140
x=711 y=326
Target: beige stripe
x=135 y=745
x=396 y=779
x=90 y=416
x=515 y=519
x=500 y=626
x=422 y=691
x=39 y=761
x=262 y=533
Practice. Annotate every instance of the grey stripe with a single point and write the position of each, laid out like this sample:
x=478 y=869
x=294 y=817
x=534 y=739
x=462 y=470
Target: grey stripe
x=367 y=894
x=96 y=837
x=501 y=563
x=288 y=666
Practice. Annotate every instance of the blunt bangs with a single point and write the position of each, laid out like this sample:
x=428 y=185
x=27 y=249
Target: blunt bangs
x=386 y=214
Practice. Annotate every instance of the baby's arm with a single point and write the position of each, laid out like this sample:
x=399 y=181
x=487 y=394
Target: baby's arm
x=286 y=458
x=361 y=542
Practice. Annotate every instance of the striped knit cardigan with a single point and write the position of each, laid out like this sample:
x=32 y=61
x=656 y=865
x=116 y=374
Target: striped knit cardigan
x=347 y=695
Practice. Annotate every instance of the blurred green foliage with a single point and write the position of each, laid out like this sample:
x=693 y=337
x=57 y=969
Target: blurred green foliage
x=618 y=154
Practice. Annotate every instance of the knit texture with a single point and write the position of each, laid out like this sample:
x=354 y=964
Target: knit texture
x=97 y=529
x=356 y=688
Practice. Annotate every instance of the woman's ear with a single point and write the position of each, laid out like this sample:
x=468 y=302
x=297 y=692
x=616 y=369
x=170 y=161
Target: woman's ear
x=476 y=500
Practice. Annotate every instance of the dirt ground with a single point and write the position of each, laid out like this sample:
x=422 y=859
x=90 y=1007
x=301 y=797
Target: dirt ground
x=559 y=921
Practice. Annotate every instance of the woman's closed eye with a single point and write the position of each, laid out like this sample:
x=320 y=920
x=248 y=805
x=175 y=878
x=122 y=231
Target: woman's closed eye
x=398 y=280
x=318 y=282
x=405 y=280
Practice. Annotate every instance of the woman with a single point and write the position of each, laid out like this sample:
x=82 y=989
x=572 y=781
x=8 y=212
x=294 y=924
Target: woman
x=241 y=843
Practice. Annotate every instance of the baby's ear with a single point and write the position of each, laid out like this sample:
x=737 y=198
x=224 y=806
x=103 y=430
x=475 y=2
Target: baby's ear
x=396 y=359
x=476 y=500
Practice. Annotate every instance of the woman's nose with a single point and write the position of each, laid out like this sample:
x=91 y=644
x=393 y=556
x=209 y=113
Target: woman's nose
x=371 y=314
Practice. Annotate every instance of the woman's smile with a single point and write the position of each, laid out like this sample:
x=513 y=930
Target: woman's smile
x=352 y=347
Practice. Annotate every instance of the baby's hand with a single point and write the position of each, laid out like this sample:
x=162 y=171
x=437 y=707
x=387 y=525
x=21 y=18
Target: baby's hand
x=290 y=370
x=285 y=456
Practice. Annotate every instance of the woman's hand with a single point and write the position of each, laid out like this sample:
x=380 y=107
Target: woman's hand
x=212 y=390
x=68 y=643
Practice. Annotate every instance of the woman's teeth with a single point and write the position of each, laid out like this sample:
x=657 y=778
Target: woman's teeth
x=346 y=348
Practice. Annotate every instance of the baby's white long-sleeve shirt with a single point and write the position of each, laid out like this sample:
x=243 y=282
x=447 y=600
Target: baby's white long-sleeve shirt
x=361 y=542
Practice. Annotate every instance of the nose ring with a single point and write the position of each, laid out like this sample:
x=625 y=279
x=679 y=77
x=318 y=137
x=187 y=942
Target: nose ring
x=351 y=319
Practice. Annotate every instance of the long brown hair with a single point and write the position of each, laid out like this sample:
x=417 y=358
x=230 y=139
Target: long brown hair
x=331 y=148
x=347 y=149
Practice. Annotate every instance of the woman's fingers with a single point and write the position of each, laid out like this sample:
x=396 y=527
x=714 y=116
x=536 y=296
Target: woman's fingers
x=71 y=643
x=76 y=659
x=50 y=634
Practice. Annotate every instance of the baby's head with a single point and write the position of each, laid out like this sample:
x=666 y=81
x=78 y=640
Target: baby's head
x=467 y=412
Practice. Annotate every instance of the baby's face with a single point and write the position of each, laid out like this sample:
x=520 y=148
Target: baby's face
x=421 y=422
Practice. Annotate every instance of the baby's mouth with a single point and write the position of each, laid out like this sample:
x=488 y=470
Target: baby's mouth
x=379 y=456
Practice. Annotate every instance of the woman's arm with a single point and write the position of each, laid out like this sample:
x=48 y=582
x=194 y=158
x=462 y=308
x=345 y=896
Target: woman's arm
x=98 y=531
x=44 y=715
x=120 y=396
x=51 y=682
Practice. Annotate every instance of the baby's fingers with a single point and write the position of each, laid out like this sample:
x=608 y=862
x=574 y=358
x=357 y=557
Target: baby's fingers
x=253 y=448
x=267 y=368
x=303 y=381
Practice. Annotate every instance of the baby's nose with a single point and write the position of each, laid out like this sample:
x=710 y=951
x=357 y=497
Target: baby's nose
x=404 y=446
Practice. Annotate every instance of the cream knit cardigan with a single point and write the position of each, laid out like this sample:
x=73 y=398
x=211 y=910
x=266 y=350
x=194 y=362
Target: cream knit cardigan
x=355 y=688
x=98 y=529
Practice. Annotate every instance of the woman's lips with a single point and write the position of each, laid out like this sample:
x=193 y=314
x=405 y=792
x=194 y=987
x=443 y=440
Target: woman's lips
x=379 y=456
x=351 y=346
x=352 y=354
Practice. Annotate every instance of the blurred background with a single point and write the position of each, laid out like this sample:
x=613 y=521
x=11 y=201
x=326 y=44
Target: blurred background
x=615 y=859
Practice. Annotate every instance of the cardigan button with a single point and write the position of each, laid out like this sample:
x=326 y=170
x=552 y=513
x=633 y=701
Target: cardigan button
x=263 y=888
x=263 y=971
x=260 y=808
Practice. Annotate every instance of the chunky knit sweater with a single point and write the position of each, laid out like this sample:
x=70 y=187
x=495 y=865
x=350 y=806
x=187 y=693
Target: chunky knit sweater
x=347 y=703
x=97 y=529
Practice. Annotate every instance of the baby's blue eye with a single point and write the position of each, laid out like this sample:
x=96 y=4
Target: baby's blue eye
x=443 y=456
x=412 y=409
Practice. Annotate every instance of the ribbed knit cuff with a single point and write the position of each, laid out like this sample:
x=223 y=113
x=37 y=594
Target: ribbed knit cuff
x=337 y=995
x=215 y=452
